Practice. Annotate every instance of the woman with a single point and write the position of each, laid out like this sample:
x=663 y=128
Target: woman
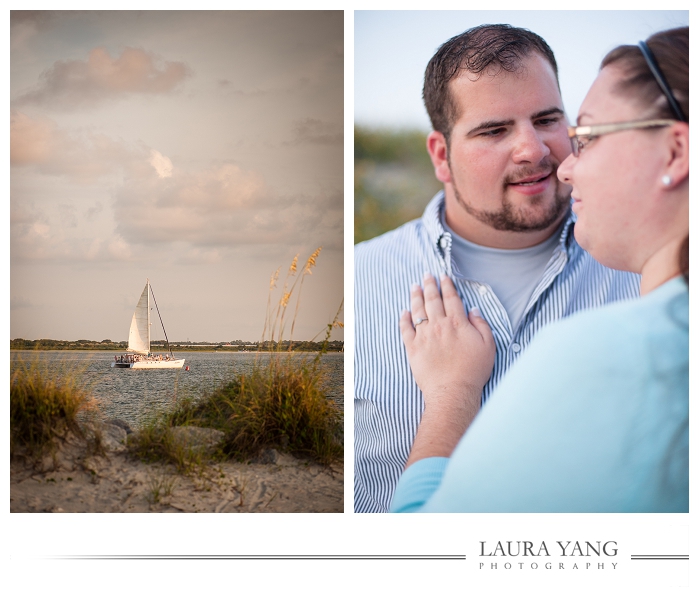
x=594 y=416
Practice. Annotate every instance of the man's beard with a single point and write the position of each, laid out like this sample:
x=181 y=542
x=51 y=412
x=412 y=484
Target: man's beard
x=510 y=218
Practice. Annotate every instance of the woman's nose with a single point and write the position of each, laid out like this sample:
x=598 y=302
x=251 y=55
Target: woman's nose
x=565 y=170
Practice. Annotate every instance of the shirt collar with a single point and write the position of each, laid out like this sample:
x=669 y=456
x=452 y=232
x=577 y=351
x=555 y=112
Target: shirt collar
x=440 y=239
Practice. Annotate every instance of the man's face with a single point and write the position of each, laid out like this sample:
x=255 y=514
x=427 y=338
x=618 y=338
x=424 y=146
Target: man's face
x=504 y=150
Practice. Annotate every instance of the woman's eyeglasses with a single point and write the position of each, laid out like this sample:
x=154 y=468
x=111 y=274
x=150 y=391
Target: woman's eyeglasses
x=581 y=136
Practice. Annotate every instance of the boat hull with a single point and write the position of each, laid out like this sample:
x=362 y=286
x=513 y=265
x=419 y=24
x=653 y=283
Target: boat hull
x=152 y=365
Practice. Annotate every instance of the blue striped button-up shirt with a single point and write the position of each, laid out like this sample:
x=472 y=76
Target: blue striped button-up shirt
x=388 y=404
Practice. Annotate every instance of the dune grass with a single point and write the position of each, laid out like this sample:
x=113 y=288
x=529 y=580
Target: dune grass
x=47 y=407
x=280 y=404
x=154 y=442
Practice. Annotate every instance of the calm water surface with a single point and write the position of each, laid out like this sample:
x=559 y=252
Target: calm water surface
x=132 y=395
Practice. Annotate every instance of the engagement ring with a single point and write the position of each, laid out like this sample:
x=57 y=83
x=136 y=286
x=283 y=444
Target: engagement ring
x=420 y=321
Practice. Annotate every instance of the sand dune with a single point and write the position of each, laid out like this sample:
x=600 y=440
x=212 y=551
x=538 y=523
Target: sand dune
x=72 y=481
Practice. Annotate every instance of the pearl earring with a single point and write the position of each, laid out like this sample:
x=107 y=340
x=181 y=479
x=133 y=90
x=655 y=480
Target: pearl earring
x=667 y=181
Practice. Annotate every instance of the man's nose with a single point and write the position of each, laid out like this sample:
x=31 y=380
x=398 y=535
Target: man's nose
x=530 y=146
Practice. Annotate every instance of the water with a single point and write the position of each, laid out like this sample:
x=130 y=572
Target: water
x=132 y=395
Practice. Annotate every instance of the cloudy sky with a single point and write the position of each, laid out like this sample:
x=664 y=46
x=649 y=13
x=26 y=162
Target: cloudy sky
x=202 y=150
x=392 y=49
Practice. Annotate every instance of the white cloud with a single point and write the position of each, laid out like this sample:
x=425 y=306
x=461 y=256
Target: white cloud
x=197 y=214
x=84 y=156
x=119 y=249
x=30 y=140
x=40 y=230
x=162 y=164
x=71 y=84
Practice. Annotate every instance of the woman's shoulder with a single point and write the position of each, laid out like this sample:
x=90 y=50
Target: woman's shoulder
x=662 y=312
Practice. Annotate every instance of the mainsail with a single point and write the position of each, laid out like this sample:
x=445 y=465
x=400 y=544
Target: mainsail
x=139 y=334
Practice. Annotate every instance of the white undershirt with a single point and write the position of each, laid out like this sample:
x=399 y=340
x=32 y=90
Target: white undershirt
x=513 y=274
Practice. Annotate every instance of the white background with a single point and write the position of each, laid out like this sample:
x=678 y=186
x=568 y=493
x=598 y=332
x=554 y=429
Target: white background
x=30 y=538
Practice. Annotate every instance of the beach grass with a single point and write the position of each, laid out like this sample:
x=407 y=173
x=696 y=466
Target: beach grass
x=46 y=407
x=154 y=442
x=160 y=486
x=280 y=404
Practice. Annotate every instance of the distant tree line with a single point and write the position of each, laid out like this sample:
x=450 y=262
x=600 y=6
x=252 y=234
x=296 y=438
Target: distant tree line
x=332 y=346
x=47 y=344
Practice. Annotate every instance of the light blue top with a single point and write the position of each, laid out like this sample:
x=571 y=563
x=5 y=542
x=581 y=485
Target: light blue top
x=594 y=417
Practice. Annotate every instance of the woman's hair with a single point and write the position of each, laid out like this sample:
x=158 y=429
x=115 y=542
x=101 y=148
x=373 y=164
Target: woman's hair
x=671 y=51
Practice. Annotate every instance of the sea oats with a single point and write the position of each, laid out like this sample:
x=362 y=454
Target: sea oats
x=292 y=268
x=273 y=279
x=312 y=261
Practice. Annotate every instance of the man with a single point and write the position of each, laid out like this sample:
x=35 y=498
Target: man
x=502 y=230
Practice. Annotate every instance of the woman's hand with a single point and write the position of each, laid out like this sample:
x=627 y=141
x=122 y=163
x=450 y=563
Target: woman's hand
x=448 y=350
x=451 y=356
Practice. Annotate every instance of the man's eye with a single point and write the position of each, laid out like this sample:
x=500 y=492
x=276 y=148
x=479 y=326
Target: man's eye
x=547 y=121
x=492 y=132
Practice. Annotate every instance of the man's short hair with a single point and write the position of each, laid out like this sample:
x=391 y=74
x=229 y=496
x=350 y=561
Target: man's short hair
x=474 y=51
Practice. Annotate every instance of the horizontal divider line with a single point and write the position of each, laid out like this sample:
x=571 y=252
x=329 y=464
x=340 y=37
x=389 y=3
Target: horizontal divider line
x=268 y=557
x=660 y=558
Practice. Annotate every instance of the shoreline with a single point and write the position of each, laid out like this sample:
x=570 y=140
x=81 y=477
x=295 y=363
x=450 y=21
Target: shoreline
x=188 y=350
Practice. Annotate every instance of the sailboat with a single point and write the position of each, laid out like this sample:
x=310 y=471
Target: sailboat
x=138 y=354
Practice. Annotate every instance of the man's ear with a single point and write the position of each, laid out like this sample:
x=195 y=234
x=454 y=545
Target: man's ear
x=438 y=151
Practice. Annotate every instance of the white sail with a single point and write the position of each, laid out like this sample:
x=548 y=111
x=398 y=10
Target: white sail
x=139 y=341
x=139 y=334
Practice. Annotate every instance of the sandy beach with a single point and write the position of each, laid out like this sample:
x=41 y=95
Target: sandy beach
x=73 y=481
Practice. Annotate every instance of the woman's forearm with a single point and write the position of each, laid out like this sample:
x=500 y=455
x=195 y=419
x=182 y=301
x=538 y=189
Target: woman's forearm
x=444 y=421
x=451 y=355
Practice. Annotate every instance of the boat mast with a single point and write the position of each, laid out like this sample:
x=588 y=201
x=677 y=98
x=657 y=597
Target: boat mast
x=148 y=312
x=161 y=321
